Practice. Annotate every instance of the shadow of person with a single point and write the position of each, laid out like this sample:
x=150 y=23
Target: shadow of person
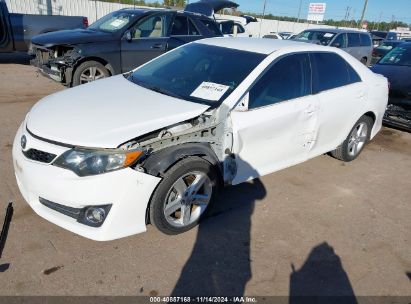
x=219 y=264
x=321 y=279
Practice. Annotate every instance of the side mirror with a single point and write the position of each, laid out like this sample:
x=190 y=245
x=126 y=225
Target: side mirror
x=242 y=105
x=128 y=36
x=337 y=45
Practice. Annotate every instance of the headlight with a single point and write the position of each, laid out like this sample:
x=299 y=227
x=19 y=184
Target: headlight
x=86 y=162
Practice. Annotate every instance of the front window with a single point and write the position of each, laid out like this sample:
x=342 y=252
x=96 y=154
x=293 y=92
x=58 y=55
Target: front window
x=113 y=22
x=198 y=73
x=323 y=37
x=400 y=55
x=154 y=26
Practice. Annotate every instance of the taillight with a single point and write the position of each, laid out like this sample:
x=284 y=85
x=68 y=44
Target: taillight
x=85 y=22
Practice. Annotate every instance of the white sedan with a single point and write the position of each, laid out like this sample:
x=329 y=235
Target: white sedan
x=154 y=145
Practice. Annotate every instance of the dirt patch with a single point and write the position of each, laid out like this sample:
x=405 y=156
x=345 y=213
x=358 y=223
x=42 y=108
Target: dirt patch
x=392 y=140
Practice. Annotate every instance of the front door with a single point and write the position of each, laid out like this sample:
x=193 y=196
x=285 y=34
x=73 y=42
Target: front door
x=281 y=122
x=149 y=38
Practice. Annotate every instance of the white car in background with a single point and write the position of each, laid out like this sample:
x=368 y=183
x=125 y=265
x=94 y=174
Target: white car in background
x=155 y=144
x=273 y=35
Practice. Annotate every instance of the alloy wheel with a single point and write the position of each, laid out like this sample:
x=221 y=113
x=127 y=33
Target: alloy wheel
x=187 y=199
x=358 y=138
x=91 y=74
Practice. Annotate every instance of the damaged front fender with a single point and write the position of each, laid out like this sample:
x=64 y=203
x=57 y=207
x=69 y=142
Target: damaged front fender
x=56 y=62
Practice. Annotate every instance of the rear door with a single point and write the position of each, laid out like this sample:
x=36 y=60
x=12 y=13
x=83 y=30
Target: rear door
x=149 y=38
x=280 y=124
x=342 y=96
x=183 y=30
x=353 y=45
x=366 y=46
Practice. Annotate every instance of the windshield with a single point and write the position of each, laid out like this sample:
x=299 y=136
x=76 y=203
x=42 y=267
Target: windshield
x=322 y=37
x=113 y=22
x=400 y=55
x=198 y=72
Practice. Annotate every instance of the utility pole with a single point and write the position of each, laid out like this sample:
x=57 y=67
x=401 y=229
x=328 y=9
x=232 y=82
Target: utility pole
x=363 y=12
x=299 y=11
x=261 y=23
x=347 y=14
x=379 y=21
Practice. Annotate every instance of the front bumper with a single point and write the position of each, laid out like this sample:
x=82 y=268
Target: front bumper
x=128 y=191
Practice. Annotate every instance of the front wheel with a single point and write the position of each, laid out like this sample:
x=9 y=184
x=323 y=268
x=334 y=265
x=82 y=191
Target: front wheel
x=89 y=71
x=183 y=196
x=356 y=140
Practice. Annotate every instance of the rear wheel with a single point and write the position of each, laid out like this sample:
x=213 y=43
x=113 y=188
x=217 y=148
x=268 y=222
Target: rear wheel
x=183 y=196
x=89 y=71
x=356 y=140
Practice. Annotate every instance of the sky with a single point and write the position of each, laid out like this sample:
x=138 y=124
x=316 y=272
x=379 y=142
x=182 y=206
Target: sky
x=336 y=9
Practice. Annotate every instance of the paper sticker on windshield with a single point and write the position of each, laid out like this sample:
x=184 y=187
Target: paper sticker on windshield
x=210 y=91
x=328 y=35
x=118 y=22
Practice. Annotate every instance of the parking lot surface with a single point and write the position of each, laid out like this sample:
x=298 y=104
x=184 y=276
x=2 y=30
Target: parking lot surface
x=322 y=228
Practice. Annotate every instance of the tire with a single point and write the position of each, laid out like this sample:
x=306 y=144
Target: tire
x=364 y=60
x=173 y=210
x=355 y=141
x=89 y=71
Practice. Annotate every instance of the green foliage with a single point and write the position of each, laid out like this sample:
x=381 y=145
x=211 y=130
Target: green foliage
x=176 y=3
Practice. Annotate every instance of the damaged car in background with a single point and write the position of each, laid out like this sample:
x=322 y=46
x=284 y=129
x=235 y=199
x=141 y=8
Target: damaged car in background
x=154 y=145
x=396 y=66
x=116 y=43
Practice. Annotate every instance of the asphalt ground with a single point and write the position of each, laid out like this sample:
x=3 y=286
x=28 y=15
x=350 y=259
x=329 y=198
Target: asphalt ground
x=319 y=228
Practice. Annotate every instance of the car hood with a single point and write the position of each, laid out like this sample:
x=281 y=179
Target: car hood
x=106 y=113
x=71 y=37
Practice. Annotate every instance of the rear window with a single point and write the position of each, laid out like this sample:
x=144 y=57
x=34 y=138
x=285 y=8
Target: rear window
x=353 y=39
x=331 y=71
x=365 y=40
x=212 y=27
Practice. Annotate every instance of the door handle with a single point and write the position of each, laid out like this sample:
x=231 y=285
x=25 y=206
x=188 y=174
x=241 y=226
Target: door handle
x=157 y=46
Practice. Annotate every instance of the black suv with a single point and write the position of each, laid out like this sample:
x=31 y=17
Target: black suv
x=116 y=43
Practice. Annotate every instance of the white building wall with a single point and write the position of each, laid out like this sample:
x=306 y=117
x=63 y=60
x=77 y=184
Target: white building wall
x=96 y=9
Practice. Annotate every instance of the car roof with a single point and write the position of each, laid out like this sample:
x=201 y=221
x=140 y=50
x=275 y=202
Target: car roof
x=336 y=31
x=142 y=10
x=260 y=45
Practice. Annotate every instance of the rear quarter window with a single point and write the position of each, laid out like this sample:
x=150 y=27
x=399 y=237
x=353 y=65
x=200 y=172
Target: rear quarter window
x=212 y=27
x=365 y=40
x=331 y=71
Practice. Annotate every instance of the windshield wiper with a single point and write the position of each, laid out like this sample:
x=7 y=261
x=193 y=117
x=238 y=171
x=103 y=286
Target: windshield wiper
x=156 y=89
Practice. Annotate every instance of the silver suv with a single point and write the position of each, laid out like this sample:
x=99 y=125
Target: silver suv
x=356 y=43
